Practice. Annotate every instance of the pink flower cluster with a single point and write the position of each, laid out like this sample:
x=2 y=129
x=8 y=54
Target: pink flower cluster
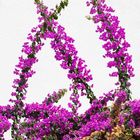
x=4 y=125
x=47 y=121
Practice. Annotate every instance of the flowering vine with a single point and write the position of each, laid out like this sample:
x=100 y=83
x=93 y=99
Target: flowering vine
x=46 y=121
x=116 y=45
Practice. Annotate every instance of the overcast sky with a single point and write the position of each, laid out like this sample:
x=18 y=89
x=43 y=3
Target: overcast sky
x=19 y=16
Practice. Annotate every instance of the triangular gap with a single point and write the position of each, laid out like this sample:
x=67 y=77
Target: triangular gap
x=49 y=76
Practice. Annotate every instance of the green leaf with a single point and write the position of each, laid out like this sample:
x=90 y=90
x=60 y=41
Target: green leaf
x=66 y=2
x=37 y=1
x=31 y=55
x=59 y=9
x=88 y=17
x=51 y=138
x=55 y=16
x=33 y=44
x=49 y=28
x=43 y=29
x=44 y=138
x=19 y=138
x=62 y=4
x=24 y=124
x=42 y=14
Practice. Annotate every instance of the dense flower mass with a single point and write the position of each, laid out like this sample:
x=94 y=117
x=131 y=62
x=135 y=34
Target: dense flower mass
x=46 y=120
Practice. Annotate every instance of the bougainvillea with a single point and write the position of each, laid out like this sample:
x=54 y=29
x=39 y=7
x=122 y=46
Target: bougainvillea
x=46 y=121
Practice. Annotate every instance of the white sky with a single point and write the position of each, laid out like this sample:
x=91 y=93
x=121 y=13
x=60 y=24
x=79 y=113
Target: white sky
x=18 y=17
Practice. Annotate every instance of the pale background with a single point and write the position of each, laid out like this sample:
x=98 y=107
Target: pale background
x=17 y=17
